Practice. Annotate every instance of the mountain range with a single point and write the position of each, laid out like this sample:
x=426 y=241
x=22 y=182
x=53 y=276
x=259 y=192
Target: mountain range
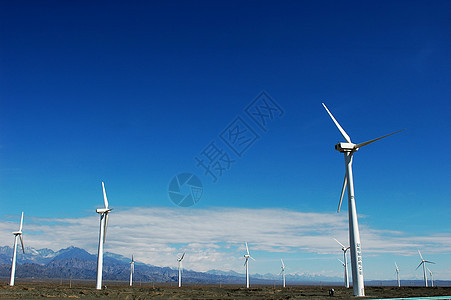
x=77 y=263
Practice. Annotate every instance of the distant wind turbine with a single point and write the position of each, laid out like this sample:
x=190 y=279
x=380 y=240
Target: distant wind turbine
x=348 y=150
x=132 y=270
x=102 y=234
x=344 y=262
x=397 y=275
x=246 y=264
x=432 y=278
x=179 y=259
x=424 y=262
x=345 y=267
x=17 y=234
x=283 y=272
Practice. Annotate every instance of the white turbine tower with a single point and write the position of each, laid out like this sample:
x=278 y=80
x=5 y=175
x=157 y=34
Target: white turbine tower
x=345 y=266
x=397 y=275
x=103 y=226
x=246 y=264
x=432 y=277
x=17 y=234
x=132 y=270
x=348 y=150
x=179 y=259
x=283 y=272
x=344 y=262
x=424 y=262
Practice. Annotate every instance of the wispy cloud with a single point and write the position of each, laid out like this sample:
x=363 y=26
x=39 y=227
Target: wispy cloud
x=214 y=238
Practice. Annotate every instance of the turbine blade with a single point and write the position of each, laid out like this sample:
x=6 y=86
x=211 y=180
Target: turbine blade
x=340 y=243
x=420 y=255
x=252 y=258
x=429 y=262
x=369 y=142
x=106 y=225
x=343 y=189
x=419 y=265
x=283 y=265
x=245 y=262
x=343 y=132
x=397 y=269
x=21 y=241
x=341 y=261
x=21 y=222
x=247 y=248
x=105 y=200
x=181 y=258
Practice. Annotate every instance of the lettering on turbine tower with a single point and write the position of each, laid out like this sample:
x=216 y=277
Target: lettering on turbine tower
x=359 y=259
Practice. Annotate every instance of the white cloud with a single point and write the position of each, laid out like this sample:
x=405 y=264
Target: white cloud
x=214 y=238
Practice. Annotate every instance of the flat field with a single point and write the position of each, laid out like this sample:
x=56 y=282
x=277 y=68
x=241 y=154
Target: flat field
x=115 y=291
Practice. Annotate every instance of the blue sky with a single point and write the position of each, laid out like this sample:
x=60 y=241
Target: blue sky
x=131 y=93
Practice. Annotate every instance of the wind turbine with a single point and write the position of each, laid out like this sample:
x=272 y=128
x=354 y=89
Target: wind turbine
x=424 y=262
x=132 y=270
x=348 y=150
x=179 y=259
x=102 y=234
x=397 y=275
x=246 y=264
x=432 y=277
x=283 y=272
x=346 y=277
x=17 y=234
x=344 y=262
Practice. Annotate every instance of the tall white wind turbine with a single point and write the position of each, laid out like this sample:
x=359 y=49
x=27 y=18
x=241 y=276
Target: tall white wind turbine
x=432 y=277
x=17 y=234
x=397 y=275
x=179 y=259
x=103 y=226
x=132 y=270
x=246 y=264
x=348 y=150
x=344 y=262
x=283 y=272
x=424 y=262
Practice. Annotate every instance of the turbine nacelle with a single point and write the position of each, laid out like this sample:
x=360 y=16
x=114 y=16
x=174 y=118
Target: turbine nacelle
x=282 y=267
x=179 y=259
x=346 y=147
x=17 y=232
x=103 y=210
x=247 y=255
x=343 y=248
